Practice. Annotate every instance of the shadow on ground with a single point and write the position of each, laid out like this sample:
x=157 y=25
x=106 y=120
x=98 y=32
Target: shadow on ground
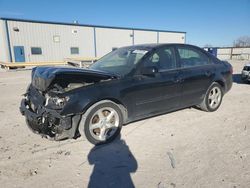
x=113 y=164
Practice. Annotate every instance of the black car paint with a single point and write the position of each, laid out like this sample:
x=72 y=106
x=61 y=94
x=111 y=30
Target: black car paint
x=141 y=96
x=43 y=77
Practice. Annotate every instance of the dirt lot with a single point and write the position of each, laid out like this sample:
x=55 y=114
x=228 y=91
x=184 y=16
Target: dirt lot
x=187 y=148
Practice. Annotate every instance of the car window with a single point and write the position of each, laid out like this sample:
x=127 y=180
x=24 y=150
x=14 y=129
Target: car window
x=121 y=61
x=191 y=57
x=246 y=68
x=163 y=59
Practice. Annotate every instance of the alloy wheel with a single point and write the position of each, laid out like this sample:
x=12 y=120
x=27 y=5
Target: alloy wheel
x=104 y=123
x=214 y=97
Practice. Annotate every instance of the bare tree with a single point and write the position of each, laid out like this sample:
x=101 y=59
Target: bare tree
x=243 y=41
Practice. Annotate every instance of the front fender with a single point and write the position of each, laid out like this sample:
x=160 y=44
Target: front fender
x=78 y=103
x=81 y=99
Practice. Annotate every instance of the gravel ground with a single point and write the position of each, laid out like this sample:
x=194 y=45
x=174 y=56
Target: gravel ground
x=187 y=148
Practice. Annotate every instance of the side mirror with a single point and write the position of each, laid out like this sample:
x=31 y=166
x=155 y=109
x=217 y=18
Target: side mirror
x=149 y=71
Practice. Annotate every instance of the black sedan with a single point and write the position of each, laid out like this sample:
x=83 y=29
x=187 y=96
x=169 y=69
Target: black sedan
x=128 y=84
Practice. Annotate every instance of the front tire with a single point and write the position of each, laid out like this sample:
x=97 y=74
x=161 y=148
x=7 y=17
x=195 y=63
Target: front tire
x=213 y=98
x=103 y=123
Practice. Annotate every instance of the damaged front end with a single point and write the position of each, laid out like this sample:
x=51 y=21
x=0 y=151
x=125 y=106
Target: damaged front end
x=47 y=107
x=44 y=119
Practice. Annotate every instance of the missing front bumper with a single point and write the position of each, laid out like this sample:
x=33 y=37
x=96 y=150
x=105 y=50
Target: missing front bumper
x=49 y=123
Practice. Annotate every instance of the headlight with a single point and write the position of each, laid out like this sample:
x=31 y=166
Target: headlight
x=56 y=102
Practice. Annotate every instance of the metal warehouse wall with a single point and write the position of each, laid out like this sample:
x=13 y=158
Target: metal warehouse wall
x=234 y=53
x=141 y=37
x=165 y=37
x=106 y=39
x=4 y=55
x=56 y=39
x=43 y=35
x=223 y=53
x=158 y=37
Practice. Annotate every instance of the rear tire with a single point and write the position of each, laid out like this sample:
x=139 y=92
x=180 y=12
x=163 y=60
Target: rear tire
x=103 y=123
x=212 y=99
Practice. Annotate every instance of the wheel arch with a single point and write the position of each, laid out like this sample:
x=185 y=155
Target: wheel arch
x=203 y=105
x=88 y=108
x=221 y=83
x=122 y=107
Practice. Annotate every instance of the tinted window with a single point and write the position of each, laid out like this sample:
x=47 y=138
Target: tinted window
x=74 y=50
x=192 y=57
x=162 y=58
x=246 y=68
x=36 y=50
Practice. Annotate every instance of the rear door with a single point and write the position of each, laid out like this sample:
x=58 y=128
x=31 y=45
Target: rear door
x=197 y=74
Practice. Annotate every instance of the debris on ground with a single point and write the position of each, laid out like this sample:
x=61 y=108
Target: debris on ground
x=173 y=185
x=33 y=172
x=36 y=145
x=171 y=158
x=63 y=152
x=67 y=153
x=160 y=185
x=60 y=152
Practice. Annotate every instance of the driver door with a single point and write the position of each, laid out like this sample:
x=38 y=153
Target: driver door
x=159 y=92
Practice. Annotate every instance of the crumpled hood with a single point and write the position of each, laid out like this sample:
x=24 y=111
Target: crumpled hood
x=43 y=77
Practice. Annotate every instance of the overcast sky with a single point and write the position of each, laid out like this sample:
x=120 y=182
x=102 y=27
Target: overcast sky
x=215 y=22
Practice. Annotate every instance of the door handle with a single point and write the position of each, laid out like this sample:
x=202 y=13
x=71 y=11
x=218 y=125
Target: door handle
x=138 y=77
x=178 y=80
x=208 y=73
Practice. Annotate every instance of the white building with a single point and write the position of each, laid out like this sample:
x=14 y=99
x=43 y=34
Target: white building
x=237 y=53
x=40 y=41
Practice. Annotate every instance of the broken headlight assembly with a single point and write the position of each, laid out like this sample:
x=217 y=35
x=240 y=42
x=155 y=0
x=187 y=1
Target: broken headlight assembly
x=56 y=102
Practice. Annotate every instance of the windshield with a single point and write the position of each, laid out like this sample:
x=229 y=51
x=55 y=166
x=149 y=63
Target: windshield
x=121 y=61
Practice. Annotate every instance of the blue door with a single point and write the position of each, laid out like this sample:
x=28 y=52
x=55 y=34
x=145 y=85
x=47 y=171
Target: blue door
x=19 y=54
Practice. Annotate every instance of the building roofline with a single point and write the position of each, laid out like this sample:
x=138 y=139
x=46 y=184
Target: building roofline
x=228 y=47
x=87 y=25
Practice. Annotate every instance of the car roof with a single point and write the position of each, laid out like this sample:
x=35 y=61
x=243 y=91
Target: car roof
x=247 y=65
x=150 y=46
